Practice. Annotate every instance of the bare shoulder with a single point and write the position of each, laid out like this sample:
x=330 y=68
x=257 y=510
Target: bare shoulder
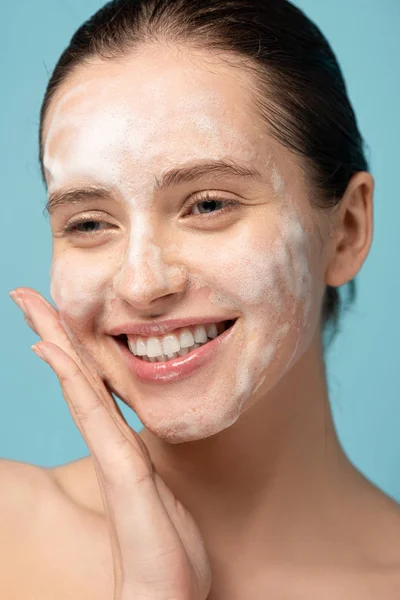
x=49 y=546
x=23 y=488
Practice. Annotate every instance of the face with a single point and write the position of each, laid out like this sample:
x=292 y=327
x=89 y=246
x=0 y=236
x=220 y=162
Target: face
x=221 y=246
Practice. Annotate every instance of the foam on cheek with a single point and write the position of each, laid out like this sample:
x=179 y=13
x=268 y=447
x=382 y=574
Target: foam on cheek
x=301 y=283
x=78 y=289
x=272 y=283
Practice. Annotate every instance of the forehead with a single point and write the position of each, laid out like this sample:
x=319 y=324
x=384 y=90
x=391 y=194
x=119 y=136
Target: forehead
x=159 y=105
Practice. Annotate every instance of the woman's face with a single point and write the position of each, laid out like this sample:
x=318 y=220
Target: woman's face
x=116 y=128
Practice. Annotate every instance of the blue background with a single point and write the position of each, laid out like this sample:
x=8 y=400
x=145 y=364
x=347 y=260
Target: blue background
x=363 y=363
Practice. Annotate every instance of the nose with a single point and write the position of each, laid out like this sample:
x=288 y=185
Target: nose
x=147 y=281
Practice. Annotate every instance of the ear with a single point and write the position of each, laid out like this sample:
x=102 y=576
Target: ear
x=351 y=234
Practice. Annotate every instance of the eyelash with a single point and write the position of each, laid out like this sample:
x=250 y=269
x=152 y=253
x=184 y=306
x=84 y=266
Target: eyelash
x=229 y=205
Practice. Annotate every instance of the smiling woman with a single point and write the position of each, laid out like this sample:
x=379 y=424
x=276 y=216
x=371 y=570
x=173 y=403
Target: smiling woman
x=208 y=195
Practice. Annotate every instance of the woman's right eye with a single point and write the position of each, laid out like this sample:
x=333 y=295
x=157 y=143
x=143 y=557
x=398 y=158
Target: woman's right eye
x=73 y=228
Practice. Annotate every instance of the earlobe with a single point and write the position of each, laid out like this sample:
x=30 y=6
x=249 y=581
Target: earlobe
x=353 y=228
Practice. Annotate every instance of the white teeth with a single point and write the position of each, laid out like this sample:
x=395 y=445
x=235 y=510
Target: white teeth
x=170 y=344
x=132 y=346
x=186 y=339
x=141 y=347
x=165 y=357
x=154 y=347
x=200 y=334
x=212 y=331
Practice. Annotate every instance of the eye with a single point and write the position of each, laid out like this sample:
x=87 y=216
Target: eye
x=86 y=226
x=209 y=205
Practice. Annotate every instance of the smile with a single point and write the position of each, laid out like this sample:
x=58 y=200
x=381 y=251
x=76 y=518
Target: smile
x=177 y=343
x=176 y=355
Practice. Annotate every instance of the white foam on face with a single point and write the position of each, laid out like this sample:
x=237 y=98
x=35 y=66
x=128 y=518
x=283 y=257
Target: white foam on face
x=274 y=286
x=258 y=270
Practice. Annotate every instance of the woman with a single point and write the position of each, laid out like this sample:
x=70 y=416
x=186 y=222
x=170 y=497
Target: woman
x=208 y=195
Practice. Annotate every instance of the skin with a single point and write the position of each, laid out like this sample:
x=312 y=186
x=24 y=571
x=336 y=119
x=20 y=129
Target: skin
x=248 y=443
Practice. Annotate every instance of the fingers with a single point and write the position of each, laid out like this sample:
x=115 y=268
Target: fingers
x=21 y=292
x=30 y=323
x=113 y=443
x=44 y=320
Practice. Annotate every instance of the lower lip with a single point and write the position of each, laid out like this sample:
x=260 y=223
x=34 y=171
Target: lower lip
x=177 y=368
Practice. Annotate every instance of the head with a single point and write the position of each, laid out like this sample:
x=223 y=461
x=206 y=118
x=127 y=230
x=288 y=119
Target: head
x=214 y=149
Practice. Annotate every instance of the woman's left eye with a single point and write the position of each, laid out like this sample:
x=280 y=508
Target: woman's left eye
x=210 y=205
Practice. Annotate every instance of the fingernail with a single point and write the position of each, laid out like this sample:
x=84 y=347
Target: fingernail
x=40 y=352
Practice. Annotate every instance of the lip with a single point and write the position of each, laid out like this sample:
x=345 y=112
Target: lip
x=162 y=327
x=177 y=368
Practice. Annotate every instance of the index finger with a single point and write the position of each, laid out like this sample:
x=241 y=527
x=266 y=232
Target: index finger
x=49 y=327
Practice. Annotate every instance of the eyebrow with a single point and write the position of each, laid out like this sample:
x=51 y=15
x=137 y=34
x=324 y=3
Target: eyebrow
x=174 y=176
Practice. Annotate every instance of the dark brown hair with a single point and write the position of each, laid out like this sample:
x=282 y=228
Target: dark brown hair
x=299 y=88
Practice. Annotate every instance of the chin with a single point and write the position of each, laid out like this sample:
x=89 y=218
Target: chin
x=185 y=432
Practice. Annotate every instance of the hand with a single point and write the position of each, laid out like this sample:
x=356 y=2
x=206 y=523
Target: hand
x=158 y=551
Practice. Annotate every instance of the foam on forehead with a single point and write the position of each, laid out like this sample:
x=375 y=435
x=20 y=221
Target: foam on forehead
x=151 y=130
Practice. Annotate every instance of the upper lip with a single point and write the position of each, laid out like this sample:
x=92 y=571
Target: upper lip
x=162 y=327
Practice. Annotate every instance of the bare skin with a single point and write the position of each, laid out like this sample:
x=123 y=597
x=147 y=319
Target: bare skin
x=282 y=511
x=331 y=535
x=321 y=520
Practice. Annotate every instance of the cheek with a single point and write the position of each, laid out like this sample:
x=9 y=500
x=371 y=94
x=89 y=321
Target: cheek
x=265 y=273
x=268 y=278
x=260 y=270
x=78 y=289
